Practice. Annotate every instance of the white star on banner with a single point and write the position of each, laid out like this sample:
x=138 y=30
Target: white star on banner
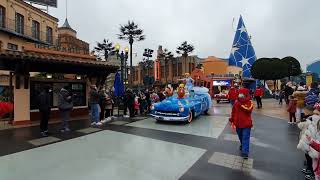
x=244 y=61
x=234 y=49
x=242 y=29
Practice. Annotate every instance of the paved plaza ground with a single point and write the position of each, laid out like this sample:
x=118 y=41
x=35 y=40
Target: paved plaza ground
x=141 y=148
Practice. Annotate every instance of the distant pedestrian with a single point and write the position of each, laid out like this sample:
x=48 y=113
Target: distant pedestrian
x=312 y=97
x=281 y=96
x=241 y=118
x=102 y=102
x=288 y=91
x=65 y=106
x=109 y=105
x=111 y=94
x=136 y=105
x=292 y=109
x=94 y=104
x=300 y=95
x=258 y=96
x=148 y=100
x=44 y=105
x=131 y=98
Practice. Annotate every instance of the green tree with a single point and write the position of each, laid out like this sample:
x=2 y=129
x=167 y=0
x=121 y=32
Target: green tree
x=105 y=48
x=259 y=69
x=131 y=32
x=269 y=69
x=184 y=50
x=293 y=65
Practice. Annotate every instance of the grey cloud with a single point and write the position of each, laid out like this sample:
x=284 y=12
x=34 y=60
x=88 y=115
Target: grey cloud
x=278 y=27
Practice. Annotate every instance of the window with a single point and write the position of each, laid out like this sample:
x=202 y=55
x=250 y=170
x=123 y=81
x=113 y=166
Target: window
x=162 y=72
x=49 y=35
x=35 y=29
x=19 y=23
x=78 y=91
x=2 y=16
x=12 y=46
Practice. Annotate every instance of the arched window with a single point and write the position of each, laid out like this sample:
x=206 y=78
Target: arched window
x=2 y=16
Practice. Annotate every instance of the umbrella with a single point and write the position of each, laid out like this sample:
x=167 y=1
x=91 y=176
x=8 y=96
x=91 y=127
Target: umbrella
x=118 y=86
x=5 y=108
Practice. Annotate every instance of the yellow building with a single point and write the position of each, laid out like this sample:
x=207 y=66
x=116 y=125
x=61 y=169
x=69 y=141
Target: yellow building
x=215 y=66
x=20 y=22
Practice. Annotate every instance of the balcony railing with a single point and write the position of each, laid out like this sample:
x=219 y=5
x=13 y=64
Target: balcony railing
x=28 y=32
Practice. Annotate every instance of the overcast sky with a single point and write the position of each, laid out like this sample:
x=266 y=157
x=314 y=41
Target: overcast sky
x=278 y=28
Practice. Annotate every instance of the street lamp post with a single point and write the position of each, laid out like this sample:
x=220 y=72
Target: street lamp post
x=147 y=54
x=123 y=58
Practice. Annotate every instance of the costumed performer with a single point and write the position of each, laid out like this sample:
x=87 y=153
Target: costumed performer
x=241 y=118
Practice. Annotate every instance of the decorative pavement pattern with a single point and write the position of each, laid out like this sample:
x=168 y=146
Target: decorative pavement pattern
x=141 y=149
x=231 y=161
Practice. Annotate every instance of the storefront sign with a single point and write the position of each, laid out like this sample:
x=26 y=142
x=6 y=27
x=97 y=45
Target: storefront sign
x=222 y=83
x=308 y=80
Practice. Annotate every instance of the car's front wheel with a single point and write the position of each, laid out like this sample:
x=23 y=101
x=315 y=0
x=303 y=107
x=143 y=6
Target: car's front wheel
x=190 y=117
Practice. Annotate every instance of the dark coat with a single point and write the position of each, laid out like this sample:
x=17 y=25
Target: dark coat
x=65 y=100
x=44 y=101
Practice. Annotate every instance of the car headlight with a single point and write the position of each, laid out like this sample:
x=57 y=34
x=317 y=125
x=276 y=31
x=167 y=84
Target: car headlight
x=181 y=108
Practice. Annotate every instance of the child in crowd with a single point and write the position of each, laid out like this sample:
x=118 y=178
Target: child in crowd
x=136 y=105
x=309 y=143
x=292 y=109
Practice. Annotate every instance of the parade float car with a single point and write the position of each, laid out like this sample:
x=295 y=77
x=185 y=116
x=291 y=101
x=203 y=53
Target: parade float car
x=222 y=96
x=182 y=109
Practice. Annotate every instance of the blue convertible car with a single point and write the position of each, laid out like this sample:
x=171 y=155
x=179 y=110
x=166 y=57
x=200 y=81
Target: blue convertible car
x=174 y=109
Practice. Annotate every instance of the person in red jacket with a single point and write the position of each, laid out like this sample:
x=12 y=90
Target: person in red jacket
x=241 y=118
x=233 y=94
x=258 y=95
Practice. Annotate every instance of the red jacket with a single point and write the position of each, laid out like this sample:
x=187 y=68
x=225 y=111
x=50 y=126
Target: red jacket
x=258 y=92
x=233 y=93
x=241 y=114
x=292 y=108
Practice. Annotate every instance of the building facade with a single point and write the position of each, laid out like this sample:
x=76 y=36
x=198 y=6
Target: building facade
x=35 y=53
x=20 y=22
x=68 y=40
x=164 y=72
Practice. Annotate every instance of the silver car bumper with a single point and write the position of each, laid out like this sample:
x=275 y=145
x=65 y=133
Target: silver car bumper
x=169 y=118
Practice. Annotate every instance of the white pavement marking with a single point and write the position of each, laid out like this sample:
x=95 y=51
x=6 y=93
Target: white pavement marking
x=253 y=140
x=231 y=161
x=44 y=140
x=102 y=155
x=88 y=130
x=119 y=122
x=207 y=126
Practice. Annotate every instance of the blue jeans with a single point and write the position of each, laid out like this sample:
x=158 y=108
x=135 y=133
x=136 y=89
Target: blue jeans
x=232 y=102
x=95 y=116
x=244 y=137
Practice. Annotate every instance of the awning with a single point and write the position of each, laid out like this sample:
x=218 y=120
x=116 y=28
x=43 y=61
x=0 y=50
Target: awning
x=52 y=63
